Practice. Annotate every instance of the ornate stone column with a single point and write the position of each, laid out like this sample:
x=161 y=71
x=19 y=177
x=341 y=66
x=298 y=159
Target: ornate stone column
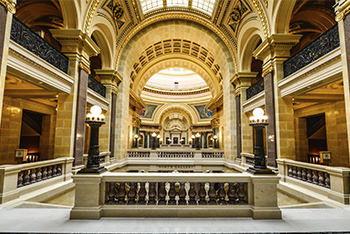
x=342 y=10
x=241 y=82
x=7 y=9
x=107 y=132
x=70 y=127
x=273 y=51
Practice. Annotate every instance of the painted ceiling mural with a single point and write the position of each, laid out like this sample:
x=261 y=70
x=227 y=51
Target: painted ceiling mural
x=203 y=112
x=148 y=111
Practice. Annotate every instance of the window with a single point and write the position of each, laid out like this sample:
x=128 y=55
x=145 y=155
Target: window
x=171 y=3
x=148 y=5
x=204 y=5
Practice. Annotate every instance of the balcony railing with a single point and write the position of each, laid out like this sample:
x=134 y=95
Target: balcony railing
x=255 y=89
x=322 y=45
x=29 y=39
x=175 y=195
x=97 y=86
x=213 y=154
x=175 y=154
x=322 y=179
x=22 y=179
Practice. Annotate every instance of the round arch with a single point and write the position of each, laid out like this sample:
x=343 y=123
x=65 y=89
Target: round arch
x=250 y=35
x=283 y=12
x=183 y=61
x=179 y=106
x=71 y=16
x=104 y=33
x=175 y=29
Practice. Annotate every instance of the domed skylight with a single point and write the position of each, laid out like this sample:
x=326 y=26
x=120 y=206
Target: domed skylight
x=206 y=6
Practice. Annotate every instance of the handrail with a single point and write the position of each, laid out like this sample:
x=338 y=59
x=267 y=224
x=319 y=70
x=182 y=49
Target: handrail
x=29 y=39
x=255 y=89
x=325 y=43
x=96 y=86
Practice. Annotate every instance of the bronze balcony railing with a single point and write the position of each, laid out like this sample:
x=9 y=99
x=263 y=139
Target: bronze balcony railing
x=96 y=86
x=29 y=39
x=322 y=45
x=255 y=89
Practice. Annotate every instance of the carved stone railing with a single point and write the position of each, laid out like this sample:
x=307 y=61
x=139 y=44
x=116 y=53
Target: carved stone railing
x=38 y=174
x=96 y=86
x=138 y=154
x=329 y=181
x=21 y=179
x=175 y=195
x=104 y=159
x=213 y=154
x=29 y=39
x=247 y=159
x=322 y=45
x=315 y=176
x=255 y=89
x=175 y=154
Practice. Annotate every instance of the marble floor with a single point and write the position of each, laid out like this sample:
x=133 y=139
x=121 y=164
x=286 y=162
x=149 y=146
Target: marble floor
x=48 y=220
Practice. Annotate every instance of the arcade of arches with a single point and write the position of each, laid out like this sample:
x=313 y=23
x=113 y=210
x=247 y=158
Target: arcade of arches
x=177 y=76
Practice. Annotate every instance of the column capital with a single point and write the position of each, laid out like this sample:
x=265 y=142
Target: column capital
x=341 y=8
x=275 y=47
x=77 y=44
x=109 y=78
x=9 y=5
x=243 y=79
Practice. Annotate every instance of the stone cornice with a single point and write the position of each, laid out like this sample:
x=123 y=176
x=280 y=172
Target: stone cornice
x=9 y=5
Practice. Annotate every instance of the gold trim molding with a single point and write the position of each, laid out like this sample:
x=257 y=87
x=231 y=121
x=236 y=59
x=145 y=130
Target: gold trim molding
x=9 y=5
x=342 y=12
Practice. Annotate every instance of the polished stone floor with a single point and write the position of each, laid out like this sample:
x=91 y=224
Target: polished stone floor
x=43 y=220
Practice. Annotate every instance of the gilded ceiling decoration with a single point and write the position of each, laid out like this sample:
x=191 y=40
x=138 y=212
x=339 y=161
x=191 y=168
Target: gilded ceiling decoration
x=240 y=9
x=117 y=12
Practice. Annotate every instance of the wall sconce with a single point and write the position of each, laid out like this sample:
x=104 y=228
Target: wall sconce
x=198 y=136
x=136 y=141
x=154 y=141
x=215 y=137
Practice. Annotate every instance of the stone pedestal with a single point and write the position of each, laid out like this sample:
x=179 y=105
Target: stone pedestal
x=265 y=197
x=87 y=197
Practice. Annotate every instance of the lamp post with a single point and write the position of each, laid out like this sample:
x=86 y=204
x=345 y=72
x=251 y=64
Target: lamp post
x=136 y=141
x=95 y=119
x=158 y=141
x=154 y=140
x=215 y=137
x=258 y=121
x=193 y=141
x=198 y=136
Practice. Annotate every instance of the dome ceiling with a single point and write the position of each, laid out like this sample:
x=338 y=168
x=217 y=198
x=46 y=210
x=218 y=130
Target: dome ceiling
x=176 y=79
